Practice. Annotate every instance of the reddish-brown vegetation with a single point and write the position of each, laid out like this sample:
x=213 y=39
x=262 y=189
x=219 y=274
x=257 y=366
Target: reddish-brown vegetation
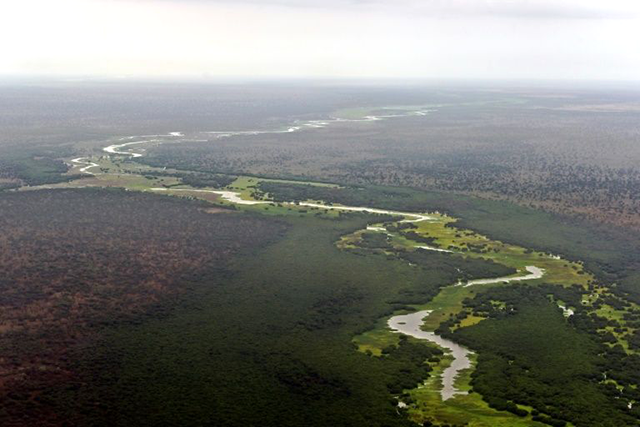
x=75 y=261
x=580 y=163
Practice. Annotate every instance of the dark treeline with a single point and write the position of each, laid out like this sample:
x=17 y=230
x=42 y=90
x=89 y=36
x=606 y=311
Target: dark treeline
x=197 y=179
x=34 y=164
x=33 y=171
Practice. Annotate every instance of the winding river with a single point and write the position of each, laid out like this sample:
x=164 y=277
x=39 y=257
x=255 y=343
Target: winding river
x=409 y=216
x=229 y=196
x=88 y=164
x=534 y=273
x=408 y=324
x=122 y=147
x=411 y=324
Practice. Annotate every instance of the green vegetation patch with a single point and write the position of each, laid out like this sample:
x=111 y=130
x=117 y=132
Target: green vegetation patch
x=529 y=354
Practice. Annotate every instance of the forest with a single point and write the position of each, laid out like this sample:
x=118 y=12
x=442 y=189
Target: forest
x=125 y=308
x=530 y=354
x=556 y=153
x=226 y=308
x=75 y=262
x=32 y=170
x=612 y=252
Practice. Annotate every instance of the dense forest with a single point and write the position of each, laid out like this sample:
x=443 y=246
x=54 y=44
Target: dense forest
x=119 y=308
x=557 y=154
x=125 y=308
x=75 y=262
x=32 y=169
x=532 y=355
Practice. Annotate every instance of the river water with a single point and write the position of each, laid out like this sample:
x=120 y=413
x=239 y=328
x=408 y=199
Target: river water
x=408 y=324
x=411 y=324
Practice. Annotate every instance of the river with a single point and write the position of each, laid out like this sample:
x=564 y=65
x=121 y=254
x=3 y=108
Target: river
x=408 y=324
x=121 y=148
x=411 y=324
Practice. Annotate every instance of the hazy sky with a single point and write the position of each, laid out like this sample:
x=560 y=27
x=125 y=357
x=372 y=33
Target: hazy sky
x=566 y=39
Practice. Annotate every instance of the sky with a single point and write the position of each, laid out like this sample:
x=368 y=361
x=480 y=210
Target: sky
x=396 y=39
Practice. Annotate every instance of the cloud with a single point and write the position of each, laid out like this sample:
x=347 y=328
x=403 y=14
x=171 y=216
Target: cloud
x=334 y=38
x=523 y=9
